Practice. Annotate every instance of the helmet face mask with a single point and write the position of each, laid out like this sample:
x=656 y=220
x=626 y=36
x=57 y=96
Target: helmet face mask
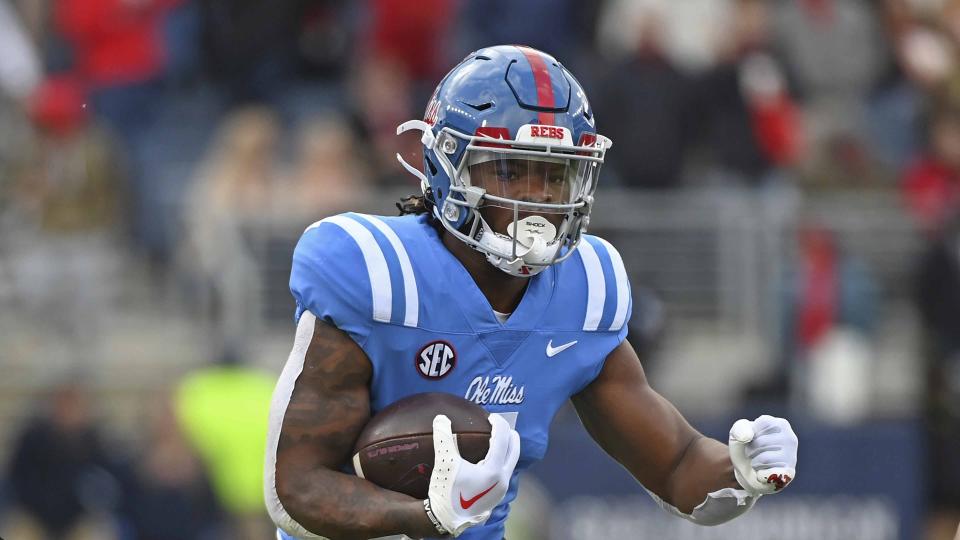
x=503 y=181
x=526 y=180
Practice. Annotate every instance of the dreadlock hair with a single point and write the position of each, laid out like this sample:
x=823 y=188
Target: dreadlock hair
x=417 y=204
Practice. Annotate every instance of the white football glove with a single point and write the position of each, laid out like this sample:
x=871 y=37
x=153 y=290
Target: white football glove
x=764 y=454
x=463 y=494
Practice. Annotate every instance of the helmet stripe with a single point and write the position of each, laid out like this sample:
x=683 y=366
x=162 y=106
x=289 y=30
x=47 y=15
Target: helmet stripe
x=541 y=77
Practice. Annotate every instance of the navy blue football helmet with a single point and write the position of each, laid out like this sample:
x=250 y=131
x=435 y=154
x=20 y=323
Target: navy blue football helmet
x=510 y=127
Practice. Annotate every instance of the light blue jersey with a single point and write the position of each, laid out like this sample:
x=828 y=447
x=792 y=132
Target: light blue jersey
x=395 y=289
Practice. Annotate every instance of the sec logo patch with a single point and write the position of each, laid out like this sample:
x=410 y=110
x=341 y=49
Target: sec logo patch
x=436 y=359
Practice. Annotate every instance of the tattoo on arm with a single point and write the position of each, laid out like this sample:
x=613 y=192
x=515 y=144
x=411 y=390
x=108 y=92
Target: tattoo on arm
x=328 y=408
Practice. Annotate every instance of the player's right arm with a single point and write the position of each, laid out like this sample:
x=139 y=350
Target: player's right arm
x=328 y=407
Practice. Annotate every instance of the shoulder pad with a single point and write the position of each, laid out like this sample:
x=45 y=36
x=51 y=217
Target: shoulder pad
x=351 y=270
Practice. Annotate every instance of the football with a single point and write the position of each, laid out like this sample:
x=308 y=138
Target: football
x=395 y=449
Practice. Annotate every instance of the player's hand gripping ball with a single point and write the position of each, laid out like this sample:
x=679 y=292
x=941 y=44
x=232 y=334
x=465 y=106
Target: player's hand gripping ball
x=442 y=448
x=764 y=454
x=463 y=494
x=395 y=450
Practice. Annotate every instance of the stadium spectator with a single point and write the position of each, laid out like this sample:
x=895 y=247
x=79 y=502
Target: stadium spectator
x=706 y=85
x=20 y=70
x=938 y=298
x=564 y=27
x=938 y=301
x=825 y=289
x=931 y=184
x=646 y=85
x=327 y=177
x=688 y=32
x=252 y=48
x=119 y=56
x=826 y=293
x=922 y=62
x=62 y=472
x=325 y=50
x=327 y=37
x=835 y=54
x=173 y=499
x=238 y=183
x=402 y=55
x=119 y=53
x=60 y=228
x=20 y=73
x=223 y=411
x=749 y=120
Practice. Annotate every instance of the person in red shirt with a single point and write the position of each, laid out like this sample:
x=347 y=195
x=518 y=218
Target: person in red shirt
x=402 y=52
x=119 y=59
x=115 y=42
x=931 y=184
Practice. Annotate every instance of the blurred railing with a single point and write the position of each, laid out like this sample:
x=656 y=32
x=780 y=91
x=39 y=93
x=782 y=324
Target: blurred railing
x=719 y=255
x=713 y=257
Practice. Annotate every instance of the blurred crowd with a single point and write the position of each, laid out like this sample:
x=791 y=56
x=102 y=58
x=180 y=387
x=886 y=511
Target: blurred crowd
x=195 y=473
x=161 y=131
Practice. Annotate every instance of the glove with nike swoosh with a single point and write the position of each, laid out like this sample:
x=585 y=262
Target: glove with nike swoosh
x=764 y=454
x=462 y=494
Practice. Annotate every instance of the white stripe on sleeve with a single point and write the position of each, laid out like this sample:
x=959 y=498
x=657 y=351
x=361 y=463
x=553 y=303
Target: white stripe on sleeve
x=596 y=285
x=376 y=265
x=623 y=286
x=411 y=297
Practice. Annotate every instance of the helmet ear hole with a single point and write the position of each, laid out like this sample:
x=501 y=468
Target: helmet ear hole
x=433 y=168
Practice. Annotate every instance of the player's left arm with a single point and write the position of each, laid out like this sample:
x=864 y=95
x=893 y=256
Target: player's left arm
x=689 y=473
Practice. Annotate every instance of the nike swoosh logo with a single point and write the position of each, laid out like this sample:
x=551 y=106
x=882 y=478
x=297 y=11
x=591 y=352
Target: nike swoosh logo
x=553 y=351
x=465 y=504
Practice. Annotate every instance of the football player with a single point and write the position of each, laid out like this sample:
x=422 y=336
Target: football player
x=493 y=291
